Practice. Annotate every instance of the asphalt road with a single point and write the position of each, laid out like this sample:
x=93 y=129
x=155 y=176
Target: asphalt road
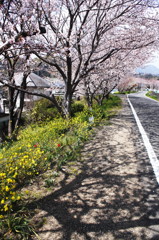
x=148 y=113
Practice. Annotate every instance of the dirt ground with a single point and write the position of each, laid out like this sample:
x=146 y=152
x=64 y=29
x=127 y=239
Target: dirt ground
x=111 y=197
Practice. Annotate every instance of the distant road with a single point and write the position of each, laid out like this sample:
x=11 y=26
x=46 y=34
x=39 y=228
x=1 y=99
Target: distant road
x=148 y=113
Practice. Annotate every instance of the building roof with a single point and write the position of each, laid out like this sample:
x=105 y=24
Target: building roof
x=57 y=83
x=33 y=80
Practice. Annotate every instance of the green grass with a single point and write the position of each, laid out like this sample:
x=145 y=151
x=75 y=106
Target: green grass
x=153 y=95
x=126 y=92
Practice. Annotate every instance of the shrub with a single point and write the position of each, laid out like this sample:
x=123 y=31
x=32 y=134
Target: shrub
x=43 y=110
x=76 y=107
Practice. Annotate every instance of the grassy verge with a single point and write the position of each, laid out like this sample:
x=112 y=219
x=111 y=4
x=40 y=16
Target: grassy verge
x=153 y=95
x=126 y=92
x=39 y=149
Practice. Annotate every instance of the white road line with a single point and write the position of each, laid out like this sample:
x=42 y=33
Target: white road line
x=152 y=156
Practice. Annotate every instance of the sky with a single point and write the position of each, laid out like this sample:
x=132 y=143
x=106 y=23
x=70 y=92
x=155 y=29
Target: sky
x=154 y=60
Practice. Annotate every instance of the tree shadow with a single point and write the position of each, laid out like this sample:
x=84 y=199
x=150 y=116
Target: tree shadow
x=114 y=197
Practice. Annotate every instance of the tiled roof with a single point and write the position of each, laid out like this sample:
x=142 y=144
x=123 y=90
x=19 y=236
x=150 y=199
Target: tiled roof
x=33 y=80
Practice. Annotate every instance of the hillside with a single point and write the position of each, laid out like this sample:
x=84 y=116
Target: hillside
x=148 y=69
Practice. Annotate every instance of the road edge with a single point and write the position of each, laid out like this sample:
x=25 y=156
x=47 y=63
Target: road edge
x=151 y=154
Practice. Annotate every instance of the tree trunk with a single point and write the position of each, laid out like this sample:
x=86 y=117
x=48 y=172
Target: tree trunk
x=19 y=111
x=67 y=101
x=88 y=96
x=68 y=87
x=57 y=105
x=89 y=100
x=11 y=112
x=21 y=106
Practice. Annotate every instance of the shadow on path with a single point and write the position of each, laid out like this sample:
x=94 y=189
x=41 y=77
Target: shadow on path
x=115 y=196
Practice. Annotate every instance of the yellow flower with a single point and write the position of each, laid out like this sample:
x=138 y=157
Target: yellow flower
x=18 y=198
x=9 y=180
x=7 y=189
x=6 y=207
x=2 y=174
x=1 y=216
x=2 y=201
x=15 y=174
x=13 y=198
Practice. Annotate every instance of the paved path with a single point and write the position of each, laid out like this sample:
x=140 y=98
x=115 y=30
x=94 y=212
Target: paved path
x=148 y=113
x=115 y=197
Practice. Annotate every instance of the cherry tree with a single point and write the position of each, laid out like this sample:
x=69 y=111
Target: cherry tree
x=81 y=35
x=98 y=85
x=115 y=71
x=15 y=112
x=77 y=36
x=17 y=24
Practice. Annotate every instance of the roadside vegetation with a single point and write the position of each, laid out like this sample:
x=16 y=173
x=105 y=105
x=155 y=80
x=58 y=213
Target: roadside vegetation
x=48 y=143
x=125 y=92
x=153 y=95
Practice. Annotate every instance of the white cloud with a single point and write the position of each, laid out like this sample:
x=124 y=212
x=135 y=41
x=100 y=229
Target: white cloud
x=154 y=60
